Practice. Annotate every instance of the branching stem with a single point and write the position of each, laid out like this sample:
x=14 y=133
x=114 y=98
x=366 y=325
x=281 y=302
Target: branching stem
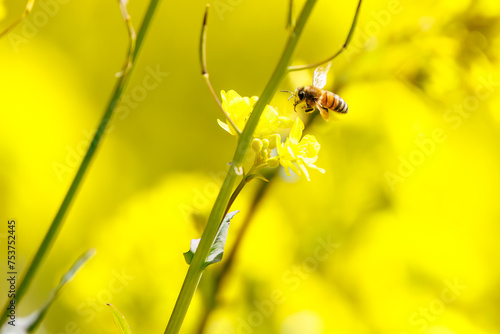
x=195 y=270
x=346 y=43
x=204 y=70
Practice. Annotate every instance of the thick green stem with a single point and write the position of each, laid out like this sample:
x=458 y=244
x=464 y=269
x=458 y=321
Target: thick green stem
x=57 y=223
x=195 y=270
x=259 y=195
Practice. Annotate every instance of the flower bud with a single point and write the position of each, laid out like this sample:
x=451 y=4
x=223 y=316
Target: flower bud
x=265 y=144
x=257 y=145
x=263 y=155
x=274 y=140
x=273 y=162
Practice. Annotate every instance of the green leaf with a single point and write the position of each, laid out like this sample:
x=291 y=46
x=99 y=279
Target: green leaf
x=120 y=320
x=217 y=249
x=31 y=322
x=75 y=267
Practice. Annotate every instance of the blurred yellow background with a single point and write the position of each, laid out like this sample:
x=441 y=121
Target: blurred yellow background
x=399 y=235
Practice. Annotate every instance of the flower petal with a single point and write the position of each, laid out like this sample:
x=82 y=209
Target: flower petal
x=223 y=125
x=303 y=169
x=321 y=170
x=296 y=132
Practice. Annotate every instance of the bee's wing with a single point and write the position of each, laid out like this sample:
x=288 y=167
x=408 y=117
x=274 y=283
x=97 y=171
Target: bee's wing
x=319 y=79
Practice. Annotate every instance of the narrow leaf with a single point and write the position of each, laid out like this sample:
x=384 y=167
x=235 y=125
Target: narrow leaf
x=120 y=320
x=31 y=322
x=217 y=249
x=75 y=267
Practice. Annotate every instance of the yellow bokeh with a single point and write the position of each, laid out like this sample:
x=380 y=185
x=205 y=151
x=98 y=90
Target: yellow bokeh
x=398 y=236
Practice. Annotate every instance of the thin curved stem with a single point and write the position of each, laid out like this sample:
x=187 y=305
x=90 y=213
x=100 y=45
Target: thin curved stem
x=289 y=19
x=346 y=43
x=195 y=270
x=204 y=70
x=132 y=37
x=27 y=11
x=58 y=221
x=235 y=194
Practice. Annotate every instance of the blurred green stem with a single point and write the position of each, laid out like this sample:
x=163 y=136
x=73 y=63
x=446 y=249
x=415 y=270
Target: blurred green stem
x=235 y=194
x=290 y=22
x=57 y=223
x=195 y=270
x=27 y=11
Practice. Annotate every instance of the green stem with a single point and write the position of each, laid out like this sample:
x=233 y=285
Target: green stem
x=235 y=194
x=204 y=69
x=346 y=44
x=259 y=195
x=195 y=270
x=27 y=11
x=57 y=223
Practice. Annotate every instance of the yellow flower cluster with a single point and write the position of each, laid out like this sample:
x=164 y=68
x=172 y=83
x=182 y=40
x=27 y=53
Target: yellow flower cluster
x=239 y=109
x=296 y=153
x=299 y=151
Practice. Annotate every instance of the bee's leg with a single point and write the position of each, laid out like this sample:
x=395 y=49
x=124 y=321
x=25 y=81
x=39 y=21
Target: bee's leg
x=324 y=112
x=323 y=108
x=309 y=108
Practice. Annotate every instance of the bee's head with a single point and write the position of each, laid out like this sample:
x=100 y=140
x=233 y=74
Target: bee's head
x=299 y=94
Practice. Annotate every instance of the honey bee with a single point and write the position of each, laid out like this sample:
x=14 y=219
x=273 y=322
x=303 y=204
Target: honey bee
x=314 y=96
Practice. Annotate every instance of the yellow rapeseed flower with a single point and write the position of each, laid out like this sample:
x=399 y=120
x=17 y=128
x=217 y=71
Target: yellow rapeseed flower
x=296 y=153
x=239 y=109
x=299 y=153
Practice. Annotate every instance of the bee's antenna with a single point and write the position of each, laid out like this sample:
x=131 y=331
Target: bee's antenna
x=287 y=91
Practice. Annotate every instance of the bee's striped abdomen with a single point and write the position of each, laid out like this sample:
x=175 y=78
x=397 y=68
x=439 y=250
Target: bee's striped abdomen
x=333 y=102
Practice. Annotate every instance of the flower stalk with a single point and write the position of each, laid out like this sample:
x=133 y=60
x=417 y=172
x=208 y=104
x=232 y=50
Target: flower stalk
x=335 y=55
x=195 y=270
x=26 y=12
x=204 y=70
